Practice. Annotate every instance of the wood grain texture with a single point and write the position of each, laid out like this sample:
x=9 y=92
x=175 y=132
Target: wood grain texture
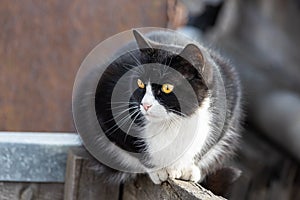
x=83 y=183
x=143 y=188
x=31 y=191
x=42 y=44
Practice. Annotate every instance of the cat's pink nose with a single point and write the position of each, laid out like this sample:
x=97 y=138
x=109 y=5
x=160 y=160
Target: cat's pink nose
x=146 y=106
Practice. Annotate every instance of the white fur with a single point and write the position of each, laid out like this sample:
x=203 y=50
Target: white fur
x=157 y=112
x=173 y=141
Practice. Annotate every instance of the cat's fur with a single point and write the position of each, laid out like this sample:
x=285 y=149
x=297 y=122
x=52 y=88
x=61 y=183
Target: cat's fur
x=187 y=135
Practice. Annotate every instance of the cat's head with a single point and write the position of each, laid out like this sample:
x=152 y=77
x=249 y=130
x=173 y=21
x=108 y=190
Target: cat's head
x=151 y=83
x=169 y=81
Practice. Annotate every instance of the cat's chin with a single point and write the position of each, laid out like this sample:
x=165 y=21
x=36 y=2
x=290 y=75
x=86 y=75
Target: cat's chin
x=153 y=118
x=157 y=118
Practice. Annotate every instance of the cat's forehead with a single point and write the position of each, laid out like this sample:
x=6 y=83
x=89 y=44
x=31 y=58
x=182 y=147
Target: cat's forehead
x=160 y=74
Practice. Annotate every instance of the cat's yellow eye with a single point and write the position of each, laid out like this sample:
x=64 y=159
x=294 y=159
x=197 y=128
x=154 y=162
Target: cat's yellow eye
x=167 y=88
x=140 y=83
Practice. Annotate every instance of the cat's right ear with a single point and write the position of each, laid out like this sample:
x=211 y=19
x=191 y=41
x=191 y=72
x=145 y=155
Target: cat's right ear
x=143 y=43
x=193 y=54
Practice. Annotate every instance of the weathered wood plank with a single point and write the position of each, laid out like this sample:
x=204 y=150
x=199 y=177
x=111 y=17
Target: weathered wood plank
x=143 y=188
x=82 y=182
x=188 y=190
x=31 y=191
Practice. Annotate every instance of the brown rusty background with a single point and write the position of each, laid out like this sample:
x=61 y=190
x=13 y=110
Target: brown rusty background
x=42 y=44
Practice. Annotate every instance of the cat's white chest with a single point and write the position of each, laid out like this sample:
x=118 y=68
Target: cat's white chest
x=177 y=142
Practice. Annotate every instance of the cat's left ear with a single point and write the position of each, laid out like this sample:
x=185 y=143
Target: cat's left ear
x=193 y=54
x=143 y=43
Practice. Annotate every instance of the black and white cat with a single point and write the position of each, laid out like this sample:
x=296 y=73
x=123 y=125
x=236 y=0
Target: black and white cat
x=169 y=108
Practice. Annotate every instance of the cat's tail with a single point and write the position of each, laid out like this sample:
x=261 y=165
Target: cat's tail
x=221 y=181
x=110 y=176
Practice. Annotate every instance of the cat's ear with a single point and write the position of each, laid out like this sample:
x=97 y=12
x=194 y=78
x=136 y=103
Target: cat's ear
x=144 y=44
x=193 y=54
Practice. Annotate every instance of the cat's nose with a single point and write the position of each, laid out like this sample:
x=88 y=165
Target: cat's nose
x=146 y=106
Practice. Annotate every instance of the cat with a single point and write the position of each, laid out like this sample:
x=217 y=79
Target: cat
x=170 y=108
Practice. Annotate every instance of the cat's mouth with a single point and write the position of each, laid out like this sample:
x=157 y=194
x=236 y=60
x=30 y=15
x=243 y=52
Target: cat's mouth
x=150 y=116
x=147 y=114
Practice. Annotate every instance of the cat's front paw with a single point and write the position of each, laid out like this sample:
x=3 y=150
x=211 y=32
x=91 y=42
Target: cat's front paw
x=159 y=176
x=191 y=173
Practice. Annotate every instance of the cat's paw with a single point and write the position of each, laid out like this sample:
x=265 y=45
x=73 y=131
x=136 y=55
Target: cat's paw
x=191 y=173
x=174 y=173
x=158 y=176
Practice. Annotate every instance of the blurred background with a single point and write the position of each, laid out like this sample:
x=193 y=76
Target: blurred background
x=42 y=44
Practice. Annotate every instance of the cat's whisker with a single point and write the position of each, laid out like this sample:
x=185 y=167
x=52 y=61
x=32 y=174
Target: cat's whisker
x=176 y=122
x=165 y=68
x=139 y=70
x=170 y=61
x=133 y=66
x=120 y=113
x=128 y=109
x=121 y=122
x=129 y=67
x=118 y=107
x=135 y=58
x=113 y=107
x=178 y=112
x=131 y=124
x=142 y=69
x=123 y=103
x=124 y=106
x=137 y=75
x=137 y=114
x=117 y=125
x=118 y=102
x=128 y=117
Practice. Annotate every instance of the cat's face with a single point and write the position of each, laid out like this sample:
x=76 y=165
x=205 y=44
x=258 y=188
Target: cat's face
x=150 y=106
x=149 y=86
x=162 y=92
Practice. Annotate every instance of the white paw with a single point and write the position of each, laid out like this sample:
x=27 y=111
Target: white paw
x=191 y=173
x=174 y=173
x=159 y=176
